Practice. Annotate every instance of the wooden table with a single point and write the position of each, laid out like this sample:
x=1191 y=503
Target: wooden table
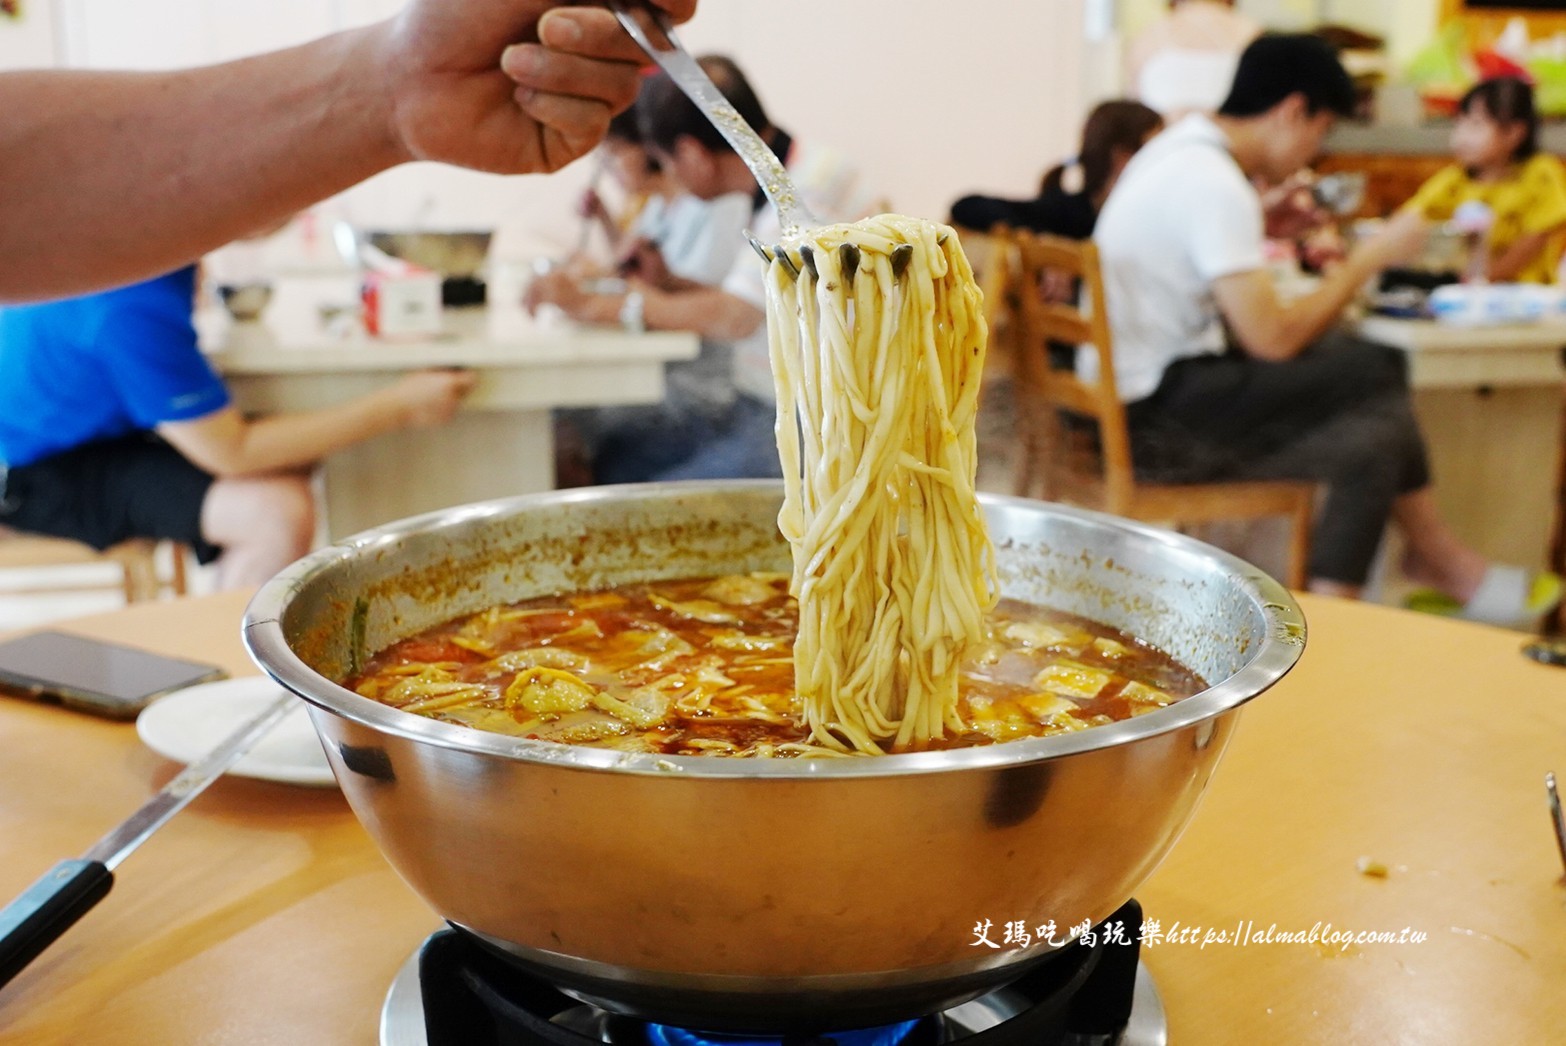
x=501 y=442
x=1489 y=401
x=264 y=915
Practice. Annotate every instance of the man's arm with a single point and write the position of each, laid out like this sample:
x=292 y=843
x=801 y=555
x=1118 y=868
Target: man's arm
x=701 y=309
x=1270 y=330
x=225 y=443
x=110 y=177
x=709 y=311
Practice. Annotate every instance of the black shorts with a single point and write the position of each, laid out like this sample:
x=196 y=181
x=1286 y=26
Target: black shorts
x=107 y=492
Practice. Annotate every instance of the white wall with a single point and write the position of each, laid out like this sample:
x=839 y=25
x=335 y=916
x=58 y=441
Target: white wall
x=931 y=99
x=1407 y=25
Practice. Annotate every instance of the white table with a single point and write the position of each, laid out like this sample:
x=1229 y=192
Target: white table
x=1489 y=400
x=1443 y=355
x=501 y=442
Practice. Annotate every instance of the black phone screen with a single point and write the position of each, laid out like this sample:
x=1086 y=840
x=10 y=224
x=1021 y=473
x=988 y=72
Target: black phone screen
x=92 y=674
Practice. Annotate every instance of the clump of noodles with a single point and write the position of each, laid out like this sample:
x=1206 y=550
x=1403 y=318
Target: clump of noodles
x=877 y=380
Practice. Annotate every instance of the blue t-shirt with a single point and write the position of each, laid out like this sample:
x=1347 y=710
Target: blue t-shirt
x=100 y=367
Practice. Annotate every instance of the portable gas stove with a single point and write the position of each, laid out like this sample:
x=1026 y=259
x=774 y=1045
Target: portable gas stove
x=454 y=992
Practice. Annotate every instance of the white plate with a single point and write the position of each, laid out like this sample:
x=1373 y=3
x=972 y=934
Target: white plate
x=187 y=724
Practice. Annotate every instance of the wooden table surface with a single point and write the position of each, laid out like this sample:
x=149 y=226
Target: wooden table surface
x=263 y=914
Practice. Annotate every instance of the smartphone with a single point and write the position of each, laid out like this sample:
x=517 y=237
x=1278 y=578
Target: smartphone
x=93 y=675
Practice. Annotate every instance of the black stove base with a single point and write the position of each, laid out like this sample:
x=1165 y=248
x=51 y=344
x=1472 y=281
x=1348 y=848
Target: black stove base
x=455 y=992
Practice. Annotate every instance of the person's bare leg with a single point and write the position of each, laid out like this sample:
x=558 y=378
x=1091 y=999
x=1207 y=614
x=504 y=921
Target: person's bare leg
x=262 y=523
x=1434 y=555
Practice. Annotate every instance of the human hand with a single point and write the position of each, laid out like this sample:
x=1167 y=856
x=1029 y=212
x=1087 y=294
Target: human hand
x=558 y=287
x=427 y=398
x=591 y=205
x=1399 y=240
x=644 y=261
x=509 y=86
x=1322 y=249
x=1290 y=211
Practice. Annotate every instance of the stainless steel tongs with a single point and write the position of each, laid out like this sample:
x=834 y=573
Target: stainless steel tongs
x=793 y=215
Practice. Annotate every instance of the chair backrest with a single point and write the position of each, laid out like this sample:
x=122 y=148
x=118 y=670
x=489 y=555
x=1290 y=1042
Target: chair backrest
x=1060 y=305
x=992 y=255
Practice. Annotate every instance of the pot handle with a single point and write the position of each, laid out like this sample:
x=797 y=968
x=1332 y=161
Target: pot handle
x=47 y=909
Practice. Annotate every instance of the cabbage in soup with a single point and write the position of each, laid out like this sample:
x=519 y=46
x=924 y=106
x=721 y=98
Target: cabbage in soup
x=704 y=666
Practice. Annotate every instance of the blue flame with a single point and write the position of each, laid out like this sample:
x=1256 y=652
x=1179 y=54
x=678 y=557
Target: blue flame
x=891 y=1035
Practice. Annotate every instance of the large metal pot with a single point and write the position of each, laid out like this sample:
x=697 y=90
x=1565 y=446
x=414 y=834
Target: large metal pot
x=763 y=895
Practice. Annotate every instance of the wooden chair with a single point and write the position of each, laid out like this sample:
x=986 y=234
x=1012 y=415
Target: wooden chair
x=140 y=579
x=1077 y=447
x=992 y=255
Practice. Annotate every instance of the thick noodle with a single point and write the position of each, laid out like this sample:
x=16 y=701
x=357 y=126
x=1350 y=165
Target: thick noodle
x=878 y=391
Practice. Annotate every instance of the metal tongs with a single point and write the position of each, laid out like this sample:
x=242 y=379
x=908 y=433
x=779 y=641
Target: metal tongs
x=54 y=903
x=793 y=215
x=1557 y=819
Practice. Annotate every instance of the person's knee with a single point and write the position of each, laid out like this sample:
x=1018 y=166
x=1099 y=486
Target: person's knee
x=271 y=510
x=1368 y=368
x=1375 y=467
x=1385 y=372
x=1390 y=444
x=295 y=511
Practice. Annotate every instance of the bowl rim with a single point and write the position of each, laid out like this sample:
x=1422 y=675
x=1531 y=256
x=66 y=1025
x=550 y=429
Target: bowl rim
x=1283 y=641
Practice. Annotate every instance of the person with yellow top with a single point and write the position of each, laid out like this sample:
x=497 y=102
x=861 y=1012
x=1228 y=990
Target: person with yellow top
x=1495 y=143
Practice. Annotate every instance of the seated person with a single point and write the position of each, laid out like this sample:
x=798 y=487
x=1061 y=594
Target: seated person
x=638 y=175
x=693 y=238
x=113 y=425
x=1496 y=144
x=667 y=231
x=1288 y=401
x=1114 y=131
x=717 y=419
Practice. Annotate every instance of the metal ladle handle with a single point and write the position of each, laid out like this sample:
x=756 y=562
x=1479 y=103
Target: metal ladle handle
x=689 y=76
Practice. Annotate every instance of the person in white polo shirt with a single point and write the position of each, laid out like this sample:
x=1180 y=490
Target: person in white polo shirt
x=718 y=419
x=1222 y=380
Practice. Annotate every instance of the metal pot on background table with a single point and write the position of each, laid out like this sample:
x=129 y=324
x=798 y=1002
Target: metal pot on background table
x=763 y=895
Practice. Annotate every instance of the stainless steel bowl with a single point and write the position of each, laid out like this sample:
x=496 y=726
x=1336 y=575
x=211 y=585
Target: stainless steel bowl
x=455 y=255
x=763 y=895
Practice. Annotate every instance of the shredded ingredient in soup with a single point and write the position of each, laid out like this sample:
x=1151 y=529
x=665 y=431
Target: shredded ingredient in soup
x=705 y=666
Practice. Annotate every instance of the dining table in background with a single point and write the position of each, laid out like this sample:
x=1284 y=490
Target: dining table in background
x=297 y=357
x=1402 y=744
x=1490 y=401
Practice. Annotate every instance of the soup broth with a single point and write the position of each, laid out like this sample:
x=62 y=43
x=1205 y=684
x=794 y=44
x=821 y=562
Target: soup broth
x=704 y=666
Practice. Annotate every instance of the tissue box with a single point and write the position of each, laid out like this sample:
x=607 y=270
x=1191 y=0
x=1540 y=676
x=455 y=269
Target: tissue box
x=401 y=304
